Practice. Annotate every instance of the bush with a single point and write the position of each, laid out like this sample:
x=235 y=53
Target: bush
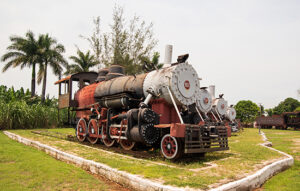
x=18 y=114
x=19 y=111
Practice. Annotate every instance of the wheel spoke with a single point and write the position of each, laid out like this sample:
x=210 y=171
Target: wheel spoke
x=170 y=147
x=127 y=145
x=92 y=127
x=81 y=130
x=108 y=142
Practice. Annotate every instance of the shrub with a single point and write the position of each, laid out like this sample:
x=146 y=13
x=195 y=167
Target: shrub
x=18 y=110
x=18 y=114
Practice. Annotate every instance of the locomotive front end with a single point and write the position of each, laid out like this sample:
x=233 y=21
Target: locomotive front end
x=178 y=99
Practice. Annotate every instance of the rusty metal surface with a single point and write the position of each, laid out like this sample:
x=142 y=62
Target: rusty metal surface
x=275 y=120
x=177 y=130
x=163 y=126
x=167 y=113
x=63 y=101
x=199 y=139
x=87 y=76
x=124 y=84
x=62 y=80
x=85 y=96
x=116 y=69
x=292 y=119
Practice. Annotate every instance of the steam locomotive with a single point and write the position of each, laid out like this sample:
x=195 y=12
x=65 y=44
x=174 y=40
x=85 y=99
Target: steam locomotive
x=222 y=113
x=164 y=108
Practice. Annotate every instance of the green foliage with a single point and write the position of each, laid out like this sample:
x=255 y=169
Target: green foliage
x=17 y=114
x=125 y=44
x=19 y=110
x=96 y=41
x=269 y=111
x=28 y=52
x=22 y=52
x=247 y=111
x=49 y=54
x=152 y=65
x=297 y=109
x=83 y=63
x=288 y=105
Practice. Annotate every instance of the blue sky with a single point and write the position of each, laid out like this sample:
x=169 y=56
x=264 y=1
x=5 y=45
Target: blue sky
x=248 y=49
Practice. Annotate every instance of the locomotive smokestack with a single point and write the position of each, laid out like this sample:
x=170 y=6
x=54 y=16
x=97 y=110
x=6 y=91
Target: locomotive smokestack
x=168 y=55
x=212 y=90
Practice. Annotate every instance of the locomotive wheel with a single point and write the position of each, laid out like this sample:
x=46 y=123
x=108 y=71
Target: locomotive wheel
x=171 y=147
x=81 y=130
x=93 y=130
x=127 y=145
x=107 y=142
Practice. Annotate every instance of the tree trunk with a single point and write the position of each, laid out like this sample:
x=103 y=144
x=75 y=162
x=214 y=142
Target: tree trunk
x=44 y=84
x=33 y=81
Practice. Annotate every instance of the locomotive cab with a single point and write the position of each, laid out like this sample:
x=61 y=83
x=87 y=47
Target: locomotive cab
x=66 y=93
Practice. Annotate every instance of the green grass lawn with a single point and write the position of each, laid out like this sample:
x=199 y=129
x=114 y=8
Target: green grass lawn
x=245 y=156
x=289 y=142
x=26 y=168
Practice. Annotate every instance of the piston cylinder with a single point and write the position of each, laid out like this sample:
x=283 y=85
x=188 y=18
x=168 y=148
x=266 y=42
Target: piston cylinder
x=147 y=133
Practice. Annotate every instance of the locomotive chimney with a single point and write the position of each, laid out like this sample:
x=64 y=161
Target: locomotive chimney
x=212 y=90
x=168 y=55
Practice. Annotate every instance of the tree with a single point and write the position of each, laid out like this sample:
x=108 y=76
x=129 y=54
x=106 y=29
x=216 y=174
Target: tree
x=152 y=65
x=247 y=111
x=126 y=45
x=270 y=111
x=96 y=41
x=83 y=62
x=288 y=105
x=50 y=54
x=22 y=52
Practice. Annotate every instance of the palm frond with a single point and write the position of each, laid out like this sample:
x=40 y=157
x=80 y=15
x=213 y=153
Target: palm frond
x=11 y=55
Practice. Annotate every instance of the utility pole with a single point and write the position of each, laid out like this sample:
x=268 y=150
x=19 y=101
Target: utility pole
x=260 y=113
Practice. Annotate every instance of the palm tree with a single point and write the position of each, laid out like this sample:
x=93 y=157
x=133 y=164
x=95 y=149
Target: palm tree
x=22 y=52
x=83 y=62
x=49 y=54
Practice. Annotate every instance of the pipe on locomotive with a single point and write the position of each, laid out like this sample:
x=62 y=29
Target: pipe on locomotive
x=168 y=56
